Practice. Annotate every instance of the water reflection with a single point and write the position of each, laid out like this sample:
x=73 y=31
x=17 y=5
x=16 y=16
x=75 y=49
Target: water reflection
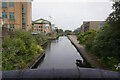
x=60 y=54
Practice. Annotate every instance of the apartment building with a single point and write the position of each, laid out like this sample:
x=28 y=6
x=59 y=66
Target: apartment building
x=1 y=20
x=16 y=15
x=91 y=25
x=42 y=26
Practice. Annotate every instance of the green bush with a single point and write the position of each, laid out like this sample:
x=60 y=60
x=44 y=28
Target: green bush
x=19 y=50
x=40 y=38
x=106 y=46
x=87 y=38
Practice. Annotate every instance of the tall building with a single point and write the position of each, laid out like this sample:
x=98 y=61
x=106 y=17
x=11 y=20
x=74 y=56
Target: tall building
x=16 y=15
x=91 y=25
x=42 y=26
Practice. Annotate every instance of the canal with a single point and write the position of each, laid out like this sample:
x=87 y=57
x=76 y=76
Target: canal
x=60 y=54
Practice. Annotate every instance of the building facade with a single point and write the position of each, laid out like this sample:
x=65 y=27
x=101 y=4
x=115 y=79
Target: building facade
x=16 y=15
x=91 y=25
x=42 y=26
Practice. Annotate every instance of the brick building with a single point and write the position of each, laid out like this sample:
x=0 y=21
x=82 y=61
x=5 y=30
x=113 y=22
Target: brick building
x=94 y=25
x=41 y=26
x=16 y=15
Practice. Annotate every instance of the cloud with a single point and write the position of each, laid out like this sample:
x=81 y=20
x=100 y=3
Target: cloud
x=69 y=15
x=72 y=0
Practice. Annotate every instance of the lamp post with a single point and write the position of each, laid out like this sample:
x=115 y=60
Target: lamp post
x=50 y=18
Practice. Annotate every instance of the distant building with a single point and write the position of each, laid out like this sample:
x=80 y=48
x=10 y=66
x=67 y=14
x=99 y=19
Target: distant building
x=16 y=15
x=76 y=30
x=94 y=25
x=41 y=26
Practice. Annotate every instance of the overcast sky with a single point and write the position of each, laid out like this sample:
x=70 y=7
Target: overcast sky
x=69 y=14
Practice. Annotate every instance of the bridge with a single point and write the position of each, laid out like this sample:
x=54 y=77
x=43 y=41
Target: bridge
x=60 y=73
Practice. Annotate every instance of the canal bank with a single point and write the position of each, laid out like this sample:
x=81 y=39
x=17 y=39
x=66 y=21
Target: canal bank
x=91 y=59
x=37 y=61
x=39 y=58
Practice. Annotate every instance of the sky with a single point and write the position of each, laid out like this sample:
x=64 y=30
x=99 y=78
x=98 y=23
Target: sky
x=70 y=14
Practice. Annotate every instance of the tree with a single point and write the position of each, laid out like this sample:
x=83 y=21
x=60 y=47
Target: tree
x=68 y=32
x=19 y=49
x=114 y=17
x=107 y=42
x=87 y=38
x=60 y=31
x=114 y=21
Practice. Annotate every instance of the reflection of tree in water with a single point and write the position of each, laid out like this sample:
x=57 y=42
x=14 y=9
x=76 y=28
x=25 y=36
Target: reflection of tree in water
x=48 y=44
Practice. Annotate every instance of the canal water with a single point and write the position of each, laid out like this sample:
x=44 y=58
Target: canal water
x=60 y=54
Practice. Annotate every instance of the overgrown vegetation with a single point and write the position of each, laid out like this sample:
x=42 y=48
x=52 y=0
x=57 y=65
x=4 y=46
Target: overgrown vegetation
x=87 y=38
x=68 y=32
x=106 y=43
x=19 y=49
x=41 y=38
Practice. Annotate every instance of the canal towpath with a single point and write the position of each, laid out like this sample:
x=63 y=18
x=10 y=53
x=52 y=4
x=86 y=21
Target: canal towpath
x=89 y=57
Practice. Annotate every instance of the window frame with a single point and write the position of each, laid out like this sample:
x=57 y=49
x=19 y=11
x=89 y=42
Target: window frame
x=11 y=15
x=4 y=4
x=11 y=4
x=13 y=26
x=4 y=15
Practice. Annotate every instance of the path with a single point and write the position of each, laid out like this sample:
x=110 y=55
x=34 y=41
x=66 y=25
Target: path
x=90 y=58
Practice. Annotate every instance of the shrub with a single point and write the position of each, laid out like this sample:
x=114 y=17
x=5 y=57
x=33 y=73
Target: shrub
x=106 y=46
x=87 y=38
x=40 y=38
x=19 y=50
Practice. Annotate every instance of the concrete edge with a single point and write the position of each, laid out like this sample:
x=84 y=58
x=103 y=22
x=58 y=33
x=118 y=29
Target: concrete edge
x=61 y=73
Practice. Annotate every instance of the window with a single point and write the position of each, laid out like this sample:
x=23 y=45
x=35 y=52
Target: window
x=46 y=26
x=11 y=26
x=23 y=20
x=4 y=15
x=4 y=5
x=11 y=15
x=11 y=4
x=5 y=25
x=23 y=17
